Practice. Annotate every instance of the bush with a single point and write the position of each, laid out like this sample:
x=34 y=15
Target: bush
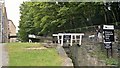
x=111 y=61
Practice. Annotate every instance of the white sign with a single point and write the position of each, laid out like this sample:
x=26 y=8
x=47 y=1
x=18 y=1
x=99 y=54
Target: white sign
x=108 y=27
x=108 y=33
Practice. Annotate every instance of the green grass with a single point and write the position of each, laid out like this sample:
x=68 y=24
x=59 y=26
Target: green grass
x=108 y=61
x=102 y=56
x=19 y=56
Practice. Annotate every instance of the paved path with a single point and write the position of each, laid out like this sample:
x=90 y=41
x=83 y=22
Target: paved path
x=3 y=55
x=0 y=56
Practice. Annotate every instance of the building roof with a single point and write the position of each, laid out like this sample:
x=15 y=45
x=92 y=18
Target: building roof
x=11 y=22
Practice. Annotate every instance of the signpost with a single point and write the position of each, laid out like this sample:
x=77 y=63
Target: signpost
x=108 y=37
x=107 y=45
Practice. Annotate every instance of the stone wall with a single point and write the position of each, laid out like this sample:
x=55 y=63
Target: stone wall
x=66 y=60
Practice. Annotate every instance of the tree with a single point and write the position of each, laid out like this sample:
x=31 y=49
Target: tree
x=45 y=18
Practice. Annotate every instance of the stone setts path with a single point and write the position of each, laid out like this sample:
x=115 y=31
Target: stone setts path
x=3 y=55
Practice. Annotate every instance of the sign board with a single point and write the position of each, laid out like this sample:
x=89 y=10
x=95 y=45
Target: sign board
x=108 y=27
x=108 y=33
x=108 y=45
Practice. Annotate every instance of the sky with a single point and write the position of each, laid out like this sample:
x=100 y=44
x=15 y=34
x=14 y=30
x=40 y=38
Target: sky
x=13 y=12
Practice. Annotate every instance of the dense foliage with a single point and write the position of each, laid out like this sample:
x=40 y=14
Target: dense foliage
x=45 y=18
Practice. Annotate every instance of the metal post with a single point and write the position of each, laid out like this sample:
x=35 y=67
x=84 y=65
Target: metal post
x=71 y=40
x=80 y=39
x=107 y=53
x=58 y=39
x=111 y=50
x=61 y=40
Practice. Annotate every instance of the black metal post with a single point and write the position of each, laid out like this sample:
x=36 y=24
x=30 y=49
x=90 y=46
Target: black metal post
x=111 y=50
x=107 y=53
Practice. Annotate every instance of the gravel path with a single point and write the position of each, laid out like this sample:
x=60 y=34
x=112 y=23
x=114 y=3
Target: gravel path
x=3 y=55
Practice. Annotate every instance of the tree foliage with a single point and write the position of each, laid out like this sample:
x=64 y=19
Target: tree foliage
x=45 y=18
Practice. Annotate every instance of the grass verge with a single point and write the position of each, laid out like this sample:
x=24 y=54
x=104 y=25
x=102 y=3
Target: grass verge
x=102 y=56
x=20 y=56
